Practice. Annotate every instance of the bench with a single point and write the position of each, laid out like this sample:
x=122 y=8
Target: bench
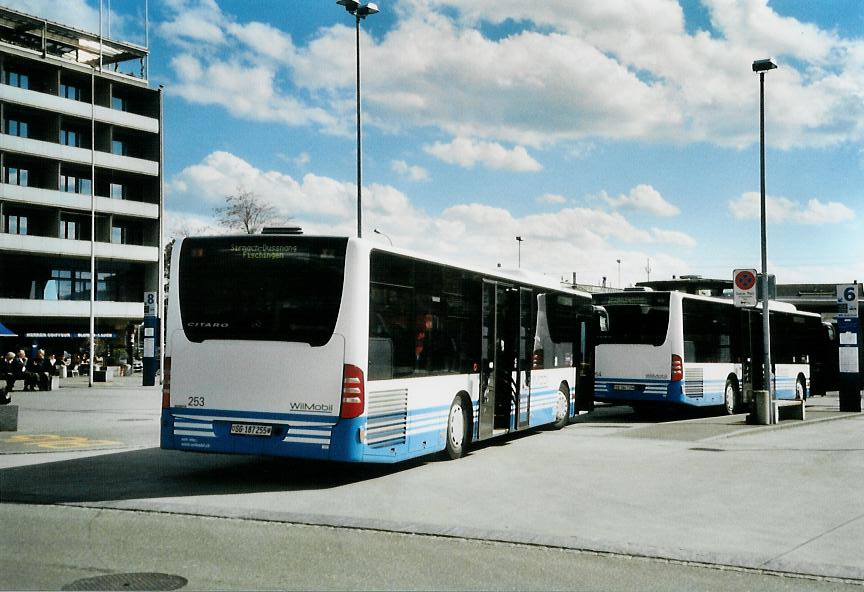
x=8 y=418
x=767 y=411
x=795 y=409
x=103 y=375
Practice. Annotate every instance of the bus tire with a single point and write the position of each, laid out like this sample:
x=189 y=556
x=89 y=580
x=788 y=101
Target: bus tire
x=731 y=397
x=800 y=388
x=457 y=429
x=562 y=409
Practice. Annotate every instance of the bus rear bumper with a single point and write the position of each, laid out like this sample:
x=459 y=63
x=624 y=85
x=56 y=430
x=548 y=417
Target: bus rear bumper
x=181 y=430
x=629 y=391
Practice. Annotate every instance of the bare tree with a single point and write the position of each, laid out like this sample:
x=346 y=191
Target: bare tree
x=246 y=211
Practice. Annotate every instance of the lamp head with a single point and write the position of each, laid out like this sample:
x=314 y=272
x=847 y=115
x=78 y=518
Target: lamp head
x=350 y=5
x=367 y=9
x=764 y=65
x=357 y=9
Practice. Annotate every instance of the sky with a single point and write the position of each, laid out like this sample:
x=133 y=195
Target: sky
x=619 y=139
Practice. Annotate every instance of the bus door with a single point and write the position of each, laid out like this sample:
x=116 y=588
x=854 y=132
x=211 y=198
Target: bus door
x=498 y=390
x=527 y=326
x=583 y=359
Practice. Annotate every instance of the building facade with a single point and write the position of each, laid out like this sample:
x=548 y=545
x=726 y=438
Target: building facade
x=81 y=158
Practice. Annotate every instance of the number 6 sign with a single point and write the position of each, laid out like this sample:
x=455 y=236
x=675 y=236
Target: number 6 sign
x=847 y=298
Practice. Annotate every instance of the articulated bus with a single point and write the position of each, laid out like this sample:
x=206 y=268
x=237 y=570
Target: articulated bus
x=677 y=348
x=341 y=349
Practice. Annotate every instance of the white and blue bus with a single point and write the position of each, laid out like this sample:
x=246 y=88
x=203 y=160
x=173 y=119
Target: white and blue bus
x=683 y=349
x=341 y=349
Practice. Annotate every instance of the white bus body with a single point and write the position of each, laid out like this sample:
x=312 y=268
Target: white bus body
x=340 y=349
x=672 y=347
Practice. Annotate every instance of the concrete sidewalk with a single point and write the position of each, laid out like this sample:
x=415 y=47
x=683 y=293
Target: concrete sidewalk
x=708 y=490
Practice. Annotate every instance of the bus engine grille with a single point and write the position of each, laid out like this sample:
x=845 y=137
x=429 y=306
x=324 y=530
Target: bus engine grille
x=694 y=382
x=388 y=418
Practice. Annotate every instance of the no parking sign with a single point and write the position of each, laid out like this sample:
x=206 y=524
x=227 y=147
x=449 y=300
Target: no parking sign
x=744 y=287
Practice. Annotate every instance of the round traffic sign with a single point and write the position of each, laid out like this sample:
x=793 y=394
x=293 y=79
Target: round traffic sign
x=745 y=280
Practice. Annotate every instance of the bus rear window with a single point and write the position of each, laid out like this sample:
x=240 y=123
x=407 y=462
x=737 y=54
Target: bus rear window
x=263 y=288
x=635 y=318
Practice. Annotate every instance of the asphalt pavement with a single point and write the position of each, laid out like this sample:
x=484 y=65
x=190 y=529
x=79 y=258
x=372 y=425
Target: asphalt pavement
x=690 y=489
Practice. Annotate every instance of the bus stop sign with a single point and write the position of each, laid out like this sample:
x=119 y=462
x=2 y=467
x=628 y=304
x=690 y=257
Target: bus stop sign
x=744 y=287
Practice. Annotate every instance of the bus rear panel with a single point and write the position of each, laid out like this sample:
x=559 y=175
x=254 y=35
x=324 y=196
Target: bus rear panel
x=255 y=363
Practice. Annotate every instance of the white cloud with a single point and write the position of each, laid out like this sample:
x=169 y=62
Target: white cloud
x=643 y=197
x=551 y=198
x=570 y=239
x=783 y=209
x=412 y=172
x=673 y=237
x=194 y=22
x=575 y=72
x=245 y=91
x=467 y=153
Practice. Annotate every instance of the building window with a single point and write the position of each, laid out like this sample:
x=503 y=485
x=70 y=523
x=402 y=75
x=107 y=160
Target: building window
x=16 y=127
x=119 y=148
x=15 y=224
x=67 y=91
x=117 y=191
x=70 y=229
x=66 y=284
x=119 y=234
x=70 y=137
x=70 y=184
x=17 y=79
x=119 y=103
x=16 y=176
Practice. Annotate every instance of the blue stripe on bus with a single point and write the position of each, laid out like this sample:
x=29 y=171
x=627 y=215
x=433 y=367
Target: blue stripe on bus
x=324 y=436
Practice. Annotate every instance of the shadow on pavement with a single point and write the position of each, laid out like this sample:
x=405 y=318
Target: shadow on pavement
x=156 y=473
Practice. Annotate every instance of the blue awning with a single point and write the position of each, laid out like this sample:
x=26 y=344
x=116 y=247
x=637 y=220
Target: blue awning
x=5 y=332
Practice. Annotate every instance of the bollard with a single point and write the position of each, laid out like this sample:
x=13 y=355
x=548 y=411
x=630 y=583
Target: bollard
x=762 y=407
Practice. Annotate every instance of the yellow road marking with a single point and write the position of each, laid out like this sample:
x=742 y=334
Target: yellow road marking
x=55 y=442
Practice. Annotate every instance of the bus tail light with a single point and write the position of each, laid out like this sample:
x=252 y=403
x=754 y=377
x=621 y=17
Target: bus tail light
x=353 y=392
x=166 y=384
x=537 y=360
x=677 y=368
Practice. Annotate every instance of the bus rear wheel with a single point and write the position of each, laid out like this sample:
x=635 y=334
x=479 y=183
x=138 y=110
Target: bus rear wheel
x=730 y=397
x=800 y=389
x=562 y=410
x=457 y=429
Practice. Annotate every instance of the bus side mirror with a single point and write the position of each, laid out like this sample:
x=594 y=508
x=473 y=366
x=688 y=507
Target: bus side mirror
x=603 y=318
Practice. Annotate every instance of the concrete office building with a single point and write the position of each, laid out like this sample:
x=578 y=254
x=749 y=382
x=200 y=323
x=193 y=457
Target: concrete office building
x=78 y=117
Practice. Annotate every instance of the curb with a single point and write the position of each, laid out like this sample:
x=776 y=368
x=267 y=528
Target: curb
x=791 y=423
x=740 y=562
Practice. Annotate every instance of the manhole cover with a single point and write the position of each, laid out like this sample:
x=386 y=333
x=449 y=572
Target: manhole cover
x=698 y=449
x=129 y=581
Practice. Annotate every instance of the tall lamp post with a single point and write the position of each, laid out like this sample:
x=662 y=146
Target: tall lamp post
x=359 y=11
x=763 y=66
x=519 y=252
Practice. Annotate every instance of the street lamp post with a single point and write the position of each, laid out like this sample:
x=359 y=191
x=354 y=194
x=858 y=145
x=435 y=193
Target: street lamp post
x=763 y=66
x=359 y=11
x=519 y=252
x=619 y=273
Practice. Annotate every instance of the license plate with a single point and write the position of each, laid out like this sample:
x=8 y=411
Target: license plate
x=251 y=429
x=624 y=387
